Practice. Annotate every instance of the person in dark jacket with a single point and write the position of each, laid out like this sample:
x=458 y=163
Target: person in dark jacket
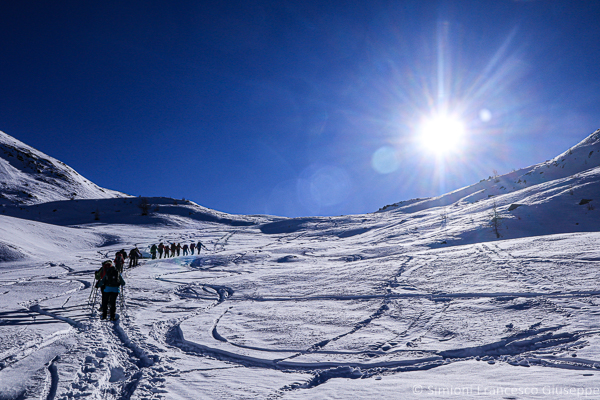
x=110 y=286
x=185 y=249
x=153 y=251
x=134 y=255
x=161 y=247
x=119 y=261
x=192 y=247
x=173 y=249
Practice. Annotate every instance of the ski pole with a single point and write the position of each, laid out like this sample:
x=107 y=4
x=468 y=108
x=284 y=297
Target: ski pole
x=92 y=291
x=94 y=302
x=122 y=300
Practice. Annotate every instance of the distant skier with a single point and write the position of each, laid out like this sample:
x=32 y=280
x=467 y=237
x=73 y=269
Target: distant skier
x=153 y=251
x=199 y=246
x=178 y=248
x=173 y=248
x=161 y=247
x=134 y=255
x=119 y=261
x=185 y=249
x=192 y=247
x=110 y=286
x=167 y=248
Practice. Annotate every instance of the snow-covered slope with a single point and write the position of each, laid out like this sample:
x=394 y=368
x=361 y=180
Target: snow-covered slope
x=582 y=157
x=28 y=176
x=134 y=211
x=28 y=239
x=420 y=301
x=363 y=307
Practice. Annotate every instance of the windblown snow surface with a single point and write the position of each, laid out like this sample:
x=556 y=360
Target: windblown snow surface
x=419 y=300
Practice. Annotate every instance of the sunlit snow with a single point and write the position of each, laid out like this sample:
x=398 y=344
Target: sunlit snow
x=420 y=299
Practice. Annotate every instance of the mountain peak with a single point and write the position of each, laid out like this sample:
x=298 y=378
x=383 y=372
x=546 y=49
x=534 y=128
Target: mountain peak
x=28 y=176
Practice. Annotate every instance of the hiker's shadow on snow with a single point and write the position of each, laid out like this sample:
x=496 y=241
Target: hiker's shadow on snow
x=31 y=318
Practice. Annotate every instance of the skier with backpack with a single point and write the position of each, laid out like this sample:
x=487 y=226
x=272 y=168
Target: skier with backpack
x=185 y=249
x=98 y=275
x=192 y=247
x=110 y=286
x=153 y=251
x=134 y=255
x=161 y=247
x=119 y=261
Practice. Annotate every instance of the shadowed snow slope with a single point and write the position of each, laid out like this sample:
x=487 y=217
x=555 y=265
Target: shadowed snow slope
x=132 y=210
x=28 y=176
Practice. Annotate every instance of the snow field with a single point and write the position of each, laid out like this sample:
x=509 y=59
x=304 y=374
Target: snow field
x=395 y=304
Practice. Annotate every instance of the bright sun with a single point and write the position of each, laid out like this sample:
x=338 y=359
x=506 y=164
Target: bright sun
x=442 y=134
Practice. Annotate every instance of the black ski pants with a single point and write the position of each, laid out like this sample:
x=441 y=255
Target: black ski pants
x=109 y=299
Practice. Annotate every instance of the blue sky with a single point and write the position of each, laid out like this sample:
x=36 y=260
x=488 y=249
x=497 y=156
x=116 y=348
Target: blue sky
x=297 y=108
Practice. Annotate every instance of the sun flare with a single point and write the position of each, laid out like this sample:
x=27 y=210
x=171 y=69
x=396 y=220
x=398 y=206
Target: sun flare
x=442 y=134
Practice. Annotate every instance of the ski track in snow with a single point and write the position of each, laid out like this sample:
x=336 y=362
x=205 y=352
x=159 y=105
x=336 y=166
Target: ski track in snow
x=509 y=350
x=125 y=360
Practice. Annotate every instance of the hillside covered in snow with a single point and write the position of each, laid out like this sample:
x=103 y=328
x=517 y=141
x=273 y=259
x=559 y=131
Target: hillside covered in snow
x=490 y=291
x=28 y=176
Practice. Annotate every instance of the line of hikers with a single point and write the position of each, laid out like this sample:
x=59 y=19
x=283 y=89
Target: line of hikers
x=109 y=280
x=173 y=249
x=121 y=256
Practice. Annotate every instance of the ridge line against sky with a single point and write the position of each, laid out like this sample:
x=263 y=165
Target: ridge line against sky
x=294 y=109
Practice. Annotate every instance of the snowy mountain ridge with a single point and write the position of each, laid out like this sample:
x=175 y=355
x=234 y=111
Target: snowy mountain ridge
x=569 y=182
x=131 y=210
x=28 y=176
x=578 y=159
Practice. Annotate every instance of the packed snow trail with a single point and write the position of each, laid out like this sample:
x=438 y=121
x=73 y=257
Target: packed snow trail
x=303 y=311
